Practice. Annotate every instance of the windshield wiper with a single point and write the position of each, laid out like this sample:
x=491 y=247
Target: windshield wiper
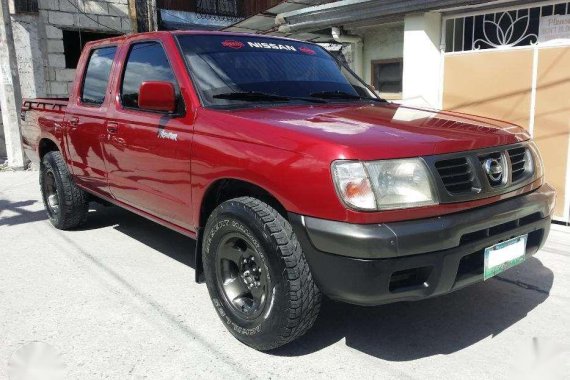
x=340 y=95
x=252 y=96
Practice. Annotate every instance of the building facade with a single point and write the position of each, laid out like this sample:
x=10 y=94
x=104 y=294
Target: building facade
x=507 y=60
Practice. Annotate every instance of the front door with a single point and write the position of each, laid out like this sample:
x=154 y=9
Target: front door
x=148 y=152
x=85 y=122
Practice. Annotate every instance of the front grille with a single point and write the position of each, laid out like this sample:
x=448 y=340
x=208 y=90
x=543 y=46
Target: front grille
x=518 y=163
x=456 y=175
x=499 y=229
x=481 y=173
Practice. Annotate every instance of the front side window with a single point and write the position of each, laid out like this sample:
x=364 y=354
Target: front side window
x=238 y=70
x=147 y=61
x=97 y=75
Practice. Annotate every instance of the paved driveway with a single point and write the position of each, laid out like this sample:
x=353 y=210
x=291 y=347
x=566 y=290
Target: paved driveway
x=116 y=299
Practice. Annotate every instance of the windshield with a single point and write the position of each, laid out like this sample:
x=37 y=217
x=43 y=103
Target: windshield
x=240 y=70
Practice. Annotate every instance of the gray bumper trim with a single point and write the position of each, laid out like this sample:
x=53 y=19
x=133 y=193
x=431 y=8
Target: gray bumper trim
x=376 y=241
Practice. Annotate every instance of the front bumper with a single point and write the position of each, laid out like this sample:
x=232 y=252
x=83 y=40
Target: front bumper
x=404 y=261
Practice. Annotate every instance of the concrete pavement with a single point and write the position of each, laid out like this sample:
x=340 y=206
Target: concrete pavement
x=117 y=299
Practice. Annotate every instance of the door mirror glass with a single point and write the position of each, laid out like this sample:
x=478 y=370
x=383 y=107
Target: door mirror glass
x=157 y=96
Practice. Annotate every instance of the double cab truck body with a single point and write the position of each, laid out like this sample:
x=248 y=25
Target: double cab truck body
x=293 y=176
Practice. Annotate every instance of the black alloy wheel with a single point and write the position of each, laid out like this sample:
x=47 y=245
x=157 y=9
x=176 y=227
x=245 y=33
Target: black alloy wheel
x=240 y=276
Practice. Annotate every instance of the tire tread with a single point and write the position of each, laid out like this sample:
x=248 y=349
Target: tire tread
x=304 y=295
x=75 y=201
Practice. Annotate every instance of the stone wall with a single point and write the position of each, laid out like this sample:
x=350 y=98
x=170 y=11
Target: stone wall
x=111 y=16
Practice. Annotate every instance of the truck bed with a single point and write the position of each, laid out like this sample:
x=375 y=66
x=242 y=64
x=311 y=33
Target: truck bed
x=41 y=117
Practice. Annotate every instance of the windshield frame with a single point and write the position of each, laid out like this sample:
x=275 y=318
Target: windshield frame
x=266 y=104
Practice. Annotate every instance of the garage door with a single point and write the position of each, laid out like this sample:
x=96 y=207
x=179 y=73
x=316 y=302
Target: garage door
x=514 y=64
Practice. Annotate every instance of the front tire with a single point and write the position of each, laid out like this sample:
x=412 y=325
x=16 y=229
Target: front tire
x=257 y=275
x=66 y=204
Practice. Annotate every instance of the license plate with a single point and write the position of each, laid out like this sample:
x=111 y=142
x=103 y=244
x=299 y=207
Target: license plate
x=505 y=255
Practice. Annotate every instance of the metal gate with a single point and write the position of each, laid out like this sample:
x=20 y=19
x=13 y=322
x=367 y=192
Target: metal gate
x=513 y=64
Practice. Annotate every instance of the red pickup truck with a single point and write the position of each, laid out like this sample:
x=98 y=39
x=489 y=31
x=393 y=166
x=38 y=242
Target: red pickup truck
x=293 y=176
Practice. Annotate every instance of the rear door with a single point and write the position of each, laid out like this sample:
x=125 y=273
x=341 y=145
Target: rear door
x=86 y=118
x=148 y=152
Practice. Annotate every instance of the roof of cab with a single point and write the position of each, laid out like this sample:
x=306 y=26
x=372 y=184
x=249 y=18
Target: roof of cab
x=126 y=37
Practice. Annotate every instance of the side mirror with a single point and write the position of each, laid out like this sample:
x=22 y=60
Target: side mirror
x=157 y=96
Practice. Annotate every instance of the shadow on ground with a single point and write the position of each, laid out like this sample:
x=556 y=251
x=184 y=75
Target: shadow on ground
x=396 y=332
x=171 y=243
x=15 y=213
x=439 y=326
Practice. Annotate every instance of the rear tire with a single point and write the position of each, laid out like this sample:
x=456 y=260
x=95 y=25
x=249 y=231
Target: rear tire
x=66 y=204
x=257 y=275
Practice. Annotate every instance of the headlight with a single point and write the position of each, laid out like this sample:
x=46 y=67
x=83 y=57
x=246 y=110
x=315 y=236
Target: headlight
x=353 y=185
x=384 y=185
x=535 y=159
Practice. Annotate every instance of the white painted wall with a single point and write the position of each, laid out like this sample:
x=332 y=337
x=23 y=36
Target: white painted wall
x=422 y=60
x=30 y=62
x=26 y=29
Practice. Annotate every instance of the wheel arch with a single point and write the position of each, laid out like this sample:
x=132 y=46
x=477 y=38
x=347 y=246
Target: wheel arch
x=45 y=146
x=224 y=189
x=220 y=191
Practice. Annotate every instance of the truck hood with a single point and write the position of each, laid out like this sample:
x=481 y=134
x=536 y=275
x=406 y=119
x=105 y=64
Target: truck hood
x=376 y=131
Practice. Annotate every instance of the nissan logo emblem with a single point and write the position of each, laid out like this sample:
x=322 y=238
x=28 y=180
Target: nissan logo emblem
x=494 y=169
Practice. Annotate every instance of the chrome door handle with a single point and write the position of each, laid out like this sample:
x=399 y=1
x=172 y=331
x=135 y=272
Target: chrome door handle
x=74 y=121
x=112 y=128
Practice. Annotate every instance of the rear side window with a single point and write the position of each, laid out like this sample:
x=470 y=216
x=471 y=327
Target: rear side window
x=97 y=75
x=147 y=61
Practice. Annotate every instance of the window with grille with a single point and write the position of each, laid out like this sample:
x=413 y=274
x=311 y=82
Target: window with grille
x=510 y=28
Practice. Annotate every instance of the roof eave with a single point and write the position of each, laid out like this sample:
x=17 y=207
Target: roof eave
x=351 y=11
